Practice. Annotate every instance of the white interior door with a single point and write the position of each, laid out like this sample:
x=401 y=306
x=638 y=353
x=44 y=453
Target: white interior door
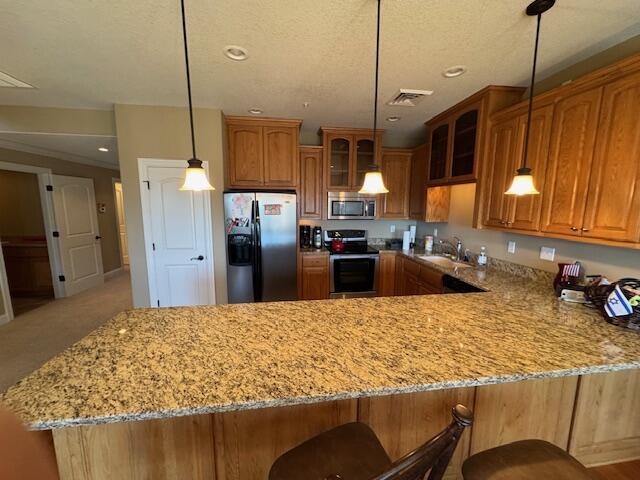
x=179 y=224
x=122 y=228
x=74 y=204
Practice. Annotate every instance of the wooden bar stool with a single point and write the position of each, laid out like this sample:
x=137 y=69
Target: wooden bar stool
x=353 y=452
x=524 y=460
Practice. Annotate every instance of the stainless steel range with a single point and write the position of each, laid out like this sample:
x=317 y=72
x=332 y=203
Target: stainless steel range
x=353 y=264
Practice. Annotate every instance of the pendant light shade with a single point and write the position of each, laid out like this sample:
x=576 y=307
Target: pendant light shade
x=523 y=181
x=373 y=182
x=522 y=184
x=195 y=178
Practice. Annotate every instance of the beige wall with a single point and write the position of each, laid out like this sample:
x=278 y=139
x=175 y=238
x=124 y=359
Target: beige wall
x=20 y=209
x=614 y=262
x=374 y=228
x=78 y=121
x=163 y=133
x=104 y=194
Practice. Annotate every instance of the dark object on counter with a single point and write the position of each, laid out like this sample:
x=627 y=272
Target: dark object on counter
x=353 y=452
x=599 y=294
x=565 y=277
x=393 y=244
x=305 y=236
x=453 y=285
x=337 y=245
x=317 y=237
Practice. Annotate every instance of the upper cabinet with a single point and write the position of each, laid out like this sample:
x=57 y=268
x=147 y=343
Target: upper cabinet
x=310 y=194
x=396 y=171
x=584 y=152
x=348 y=154
x=262 y=152
x=456 y=137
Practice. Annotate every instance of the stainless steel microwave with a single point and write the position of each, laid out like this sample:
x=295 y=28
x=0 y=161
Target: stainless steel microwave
x=351 y=205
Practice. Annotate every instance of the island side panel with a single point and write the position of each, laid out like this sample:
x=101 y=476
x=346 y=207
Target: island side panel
x=403 y=422
x=248 y=442
x=606 y=425
x=508 y=412
x=180 y=447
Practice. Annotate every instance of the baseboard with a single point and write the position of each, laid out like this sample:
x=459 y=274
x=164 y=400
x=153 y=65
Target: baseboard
x=4 y=318
x=112 y=273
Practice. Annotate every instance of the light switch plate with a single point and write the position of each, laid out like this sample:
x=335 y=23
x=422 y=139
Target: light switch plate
x=511 y=247
x=435 y=232
x=392 y=229
x=547 y=253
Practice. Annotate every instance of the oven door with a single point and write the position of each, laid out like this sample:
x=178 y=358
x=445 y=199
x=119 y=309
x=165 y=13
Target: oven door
x=353 y=273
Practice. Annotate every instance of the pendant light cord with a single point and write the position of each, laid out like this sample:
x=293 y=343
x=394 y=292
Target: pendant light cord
x=533 y=81
x=375 y=95
x=186 y=60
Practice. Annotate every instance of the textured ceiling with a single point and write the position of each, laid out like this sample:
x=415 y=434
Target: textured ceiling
x=74 y=148
x=97 y=53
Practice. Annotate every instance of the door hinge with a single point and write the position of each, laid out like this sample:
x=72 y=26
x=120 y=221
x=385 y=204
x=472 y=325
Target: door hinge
x=61 y=278
x=153 y=245
x=148 y=184
x=55 y=234
x=49 y=188
x=158 y=303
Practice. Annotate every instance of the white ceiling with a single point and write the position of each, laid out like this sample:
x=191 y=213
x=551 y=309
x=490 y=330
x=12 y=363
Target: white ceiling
x=74 y=148
x=94 y=54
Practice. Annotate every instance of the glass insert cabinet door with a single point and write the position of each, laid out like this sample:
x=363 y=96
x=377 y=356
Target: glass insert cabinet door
x=464 y=144
x=339 y=162
x=364 y=159
x=439 y=143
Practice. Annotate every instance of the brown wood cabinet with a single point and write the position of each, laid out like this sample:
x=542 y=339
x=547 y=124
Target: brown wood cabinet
x=504 y=157
x=262 y=152
x=396 y=171
x=310 y=194
x=427 y=204
x=387 y=274
x=348 y=154
x=589 y=179
x=314 y=276
x=456 y=137
x=416 y=278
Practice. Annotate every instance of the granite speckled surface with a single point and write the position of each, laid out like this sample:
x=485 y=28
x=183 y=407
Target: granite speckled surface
x=152 y=363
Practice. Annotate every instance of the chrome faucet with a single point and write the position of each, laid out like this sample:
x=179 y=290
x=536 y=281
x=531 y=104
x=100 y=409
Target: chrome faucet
x=457 y=247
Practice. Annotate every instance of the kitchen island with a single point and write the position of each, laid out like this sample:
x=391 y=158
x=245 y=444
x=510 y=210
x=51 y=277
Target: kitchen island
x=221 y=391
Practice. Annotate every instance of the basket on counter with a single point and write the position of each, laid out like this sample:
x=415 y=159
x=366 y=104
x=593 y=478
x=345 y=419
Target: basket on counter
x=599 y=294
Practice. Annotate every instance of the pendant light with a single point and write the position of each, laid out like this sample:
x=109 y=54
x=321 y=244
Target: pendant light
x=195 y=178
x=373 y=182
x=523 y=181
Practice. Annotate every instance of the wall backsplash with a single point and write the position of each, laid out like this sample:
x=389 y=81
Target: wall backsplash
x=614 y=262
x=374 y=228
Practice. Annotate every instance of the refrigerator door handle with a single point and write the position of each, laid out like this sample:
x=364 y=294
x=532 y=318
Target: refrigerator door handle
x=258 y=255
x=254 y=263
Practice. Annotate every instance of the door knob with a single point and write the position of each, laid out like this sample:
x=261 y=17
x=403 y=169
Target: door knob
x=199 y=258
x=98 y=237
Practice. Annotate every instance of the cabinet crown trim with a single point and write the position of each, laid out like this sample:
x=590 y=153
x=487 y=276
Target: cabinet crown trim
x=262 y=121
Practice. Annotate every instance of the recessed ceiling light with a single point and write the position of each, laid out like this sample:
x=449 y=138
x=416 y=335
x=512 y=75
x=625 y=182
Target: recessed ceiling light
x=255 y=111
x=454 y=71
x=234 y=52
x=103 y=149
x=393 y=118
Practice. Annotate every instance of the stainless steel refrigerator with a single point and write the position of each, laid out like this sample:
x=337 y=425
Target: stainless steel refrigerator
x=261 y=246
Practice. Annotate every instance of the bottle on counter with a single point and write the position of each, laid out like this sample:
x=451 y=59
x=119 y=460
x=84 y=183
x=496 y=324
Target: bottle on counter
x=428 y=243
x=482 y=257
x=317 y=237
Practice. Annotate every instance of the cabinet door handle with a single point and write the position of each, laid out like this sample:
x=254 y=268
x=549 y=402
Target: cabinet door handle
x=575 y=229
x=509 y=223
x=585 y=229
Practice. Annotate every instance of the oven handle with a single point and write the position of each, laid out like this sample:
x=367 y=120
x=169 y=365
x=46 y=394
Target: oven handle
x=351 y=255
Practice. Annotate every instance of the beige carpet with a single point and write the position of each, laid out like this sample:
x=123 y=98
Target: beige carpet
x=35 y=336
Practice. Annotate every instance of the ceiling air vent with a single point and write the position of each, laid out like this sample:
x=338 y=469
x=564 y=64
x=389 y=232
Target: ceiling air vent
x=407 y=97
x=7 y=80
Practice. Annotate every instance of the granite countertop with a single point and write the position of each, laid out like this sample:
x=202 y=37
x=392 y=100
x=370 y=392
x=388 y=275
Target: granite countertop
x=153 y=363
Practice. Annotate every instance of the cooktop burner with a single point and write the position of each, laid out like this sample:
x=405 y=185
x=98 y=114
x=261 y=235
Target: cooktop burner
x=353 y=242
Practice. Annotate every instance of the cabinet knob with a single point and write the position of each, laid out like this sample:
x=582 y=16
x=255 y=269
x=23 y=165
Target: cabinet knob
x=585 y=229
x=509 y=223
x=575 y=229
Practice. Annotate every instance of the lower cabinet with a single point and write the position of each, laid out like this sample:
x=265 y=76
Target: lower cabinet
x=314 y=276
x=415 y=278
x=387 y=274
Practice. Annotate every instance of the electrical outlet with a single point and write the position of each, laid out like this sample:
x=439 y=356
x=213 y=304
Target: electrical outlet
x=511 y=247
x=547 y=253
x=392 y=228
x=435 y=232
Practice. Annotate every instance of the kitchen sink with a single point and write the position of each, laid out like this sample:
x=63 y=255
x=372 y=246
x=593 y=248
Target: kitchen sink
x=444 y=261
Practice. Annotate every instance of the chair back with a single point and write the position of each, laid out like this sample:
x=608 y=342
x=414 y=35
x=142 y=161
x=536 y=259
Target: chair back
x=433 y=455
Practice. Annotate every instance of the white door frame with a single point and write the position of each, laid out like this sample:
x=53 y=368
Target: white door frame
x=46 y=203
x=7 y=316
x=143 y=165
